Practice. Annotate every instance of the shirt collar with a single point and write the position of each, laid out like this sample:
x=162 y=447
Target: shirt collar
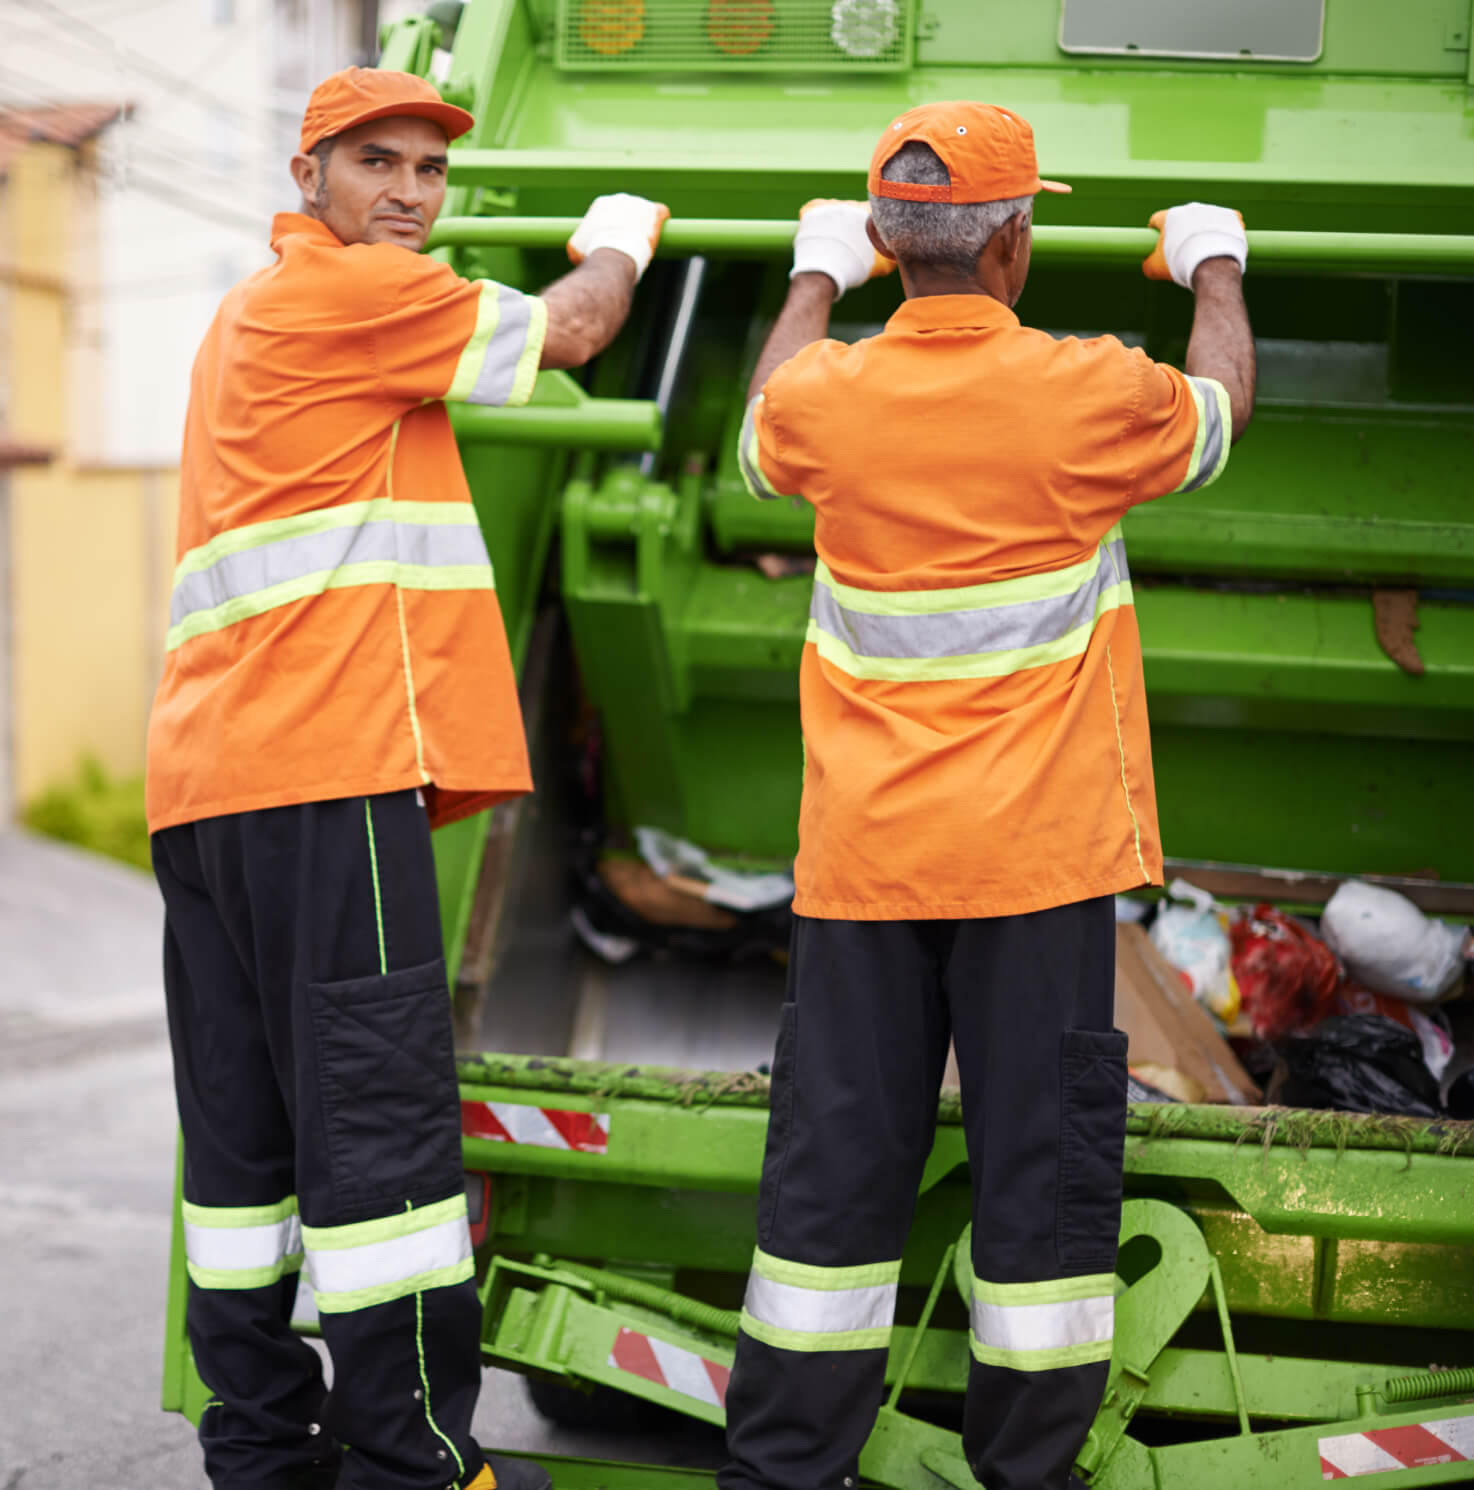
x=951 y=313
x=298 y=224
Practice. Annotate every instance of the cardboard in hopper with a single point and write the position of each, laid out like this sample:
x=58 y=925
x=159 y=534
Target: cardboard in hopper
x=1174 y=1043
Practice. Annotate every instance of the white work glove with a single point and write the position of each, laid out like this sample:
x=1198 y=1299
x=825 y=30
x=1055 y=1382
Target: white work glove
x=1191 y=233
x=629 y=224
x=831 y=239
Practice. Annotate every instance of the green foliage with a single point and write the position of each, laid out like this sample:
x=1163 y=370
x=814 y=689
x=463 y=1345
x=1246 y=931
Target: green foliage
x=96 y=812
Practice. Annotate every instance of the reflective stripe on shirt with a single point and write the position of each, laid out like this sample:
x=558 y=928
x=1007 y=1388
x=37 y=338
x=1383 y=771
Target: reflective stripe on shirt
x=249 y=570
x=1043 y=1326
x=499 y=362
x=1215 y=432
x=796 y=1306
x=241 y=1246
x=372 y=1262
x=977 y=631
x=749 y=461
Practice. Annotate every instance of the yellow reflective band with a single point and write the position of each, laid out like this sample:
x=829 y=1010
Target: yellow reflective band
x=1053 y=584
x=525 y=375
x=350 y=576
x=1213 y=437
x=241 y=1247
x=802 y=1307
x=468 y=366
x=372 y=1262
x=749 y=456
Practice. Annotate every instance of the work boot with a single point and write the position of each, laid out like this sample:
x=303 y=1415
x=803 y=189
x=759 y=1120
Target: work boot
x=502 y=1473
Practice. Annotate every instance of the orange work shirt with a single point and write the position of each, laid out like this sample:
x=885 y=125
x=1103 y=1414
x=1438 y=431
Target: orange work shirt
x=974 y=720
x=334 y=628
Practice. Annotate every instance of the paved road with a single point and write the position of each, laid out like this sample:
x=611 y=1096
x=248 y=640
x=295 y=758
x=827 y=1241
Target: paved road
x=86 y=1114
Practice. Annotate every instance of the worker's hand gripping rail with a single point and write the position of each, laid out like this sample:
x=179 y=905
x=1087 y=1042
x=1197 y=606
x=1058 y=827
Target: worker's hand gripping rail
x=1271 y=251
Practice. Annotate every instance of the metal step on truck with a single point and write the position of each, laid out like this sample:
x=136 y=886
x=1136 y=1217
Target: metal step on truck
x=1296 y=1289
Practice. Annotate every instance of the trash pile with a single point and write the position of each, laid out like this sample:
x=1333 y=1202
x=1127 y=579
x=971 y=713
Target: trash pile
x=1349 y=1011
x=662 y=894
x=1357 y=1009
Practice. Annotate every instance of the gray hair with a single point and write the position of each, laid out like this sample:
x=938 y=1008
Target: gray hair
x=945 y=235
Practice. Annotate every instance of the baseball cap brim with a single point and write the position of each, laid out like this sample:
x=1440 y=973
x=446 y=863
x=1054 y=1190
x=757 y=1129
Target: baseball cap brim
x=455 y=122
x=1054 y=186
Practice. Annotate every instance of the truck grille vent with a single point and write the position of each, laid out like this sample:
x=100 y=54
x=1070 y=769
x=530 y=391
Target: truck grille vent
x=736 y=35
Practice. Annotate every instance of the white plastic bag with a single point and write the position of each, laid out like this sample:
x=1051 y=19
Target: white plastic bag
x=1390 y=946
x=1194 y=939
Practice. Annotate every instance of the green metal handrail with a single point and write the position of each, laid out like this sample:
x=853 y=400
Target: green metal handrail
x=591 y=424
x=1269 y=249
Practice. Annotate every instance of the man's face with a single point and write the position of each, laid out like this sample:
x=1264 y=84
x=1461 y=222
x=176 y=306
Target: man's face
x=384 y=182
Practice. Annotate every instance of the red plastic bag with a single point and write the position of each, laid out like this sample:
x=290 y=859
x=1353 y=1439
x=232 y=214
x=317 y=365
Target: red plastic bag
x=1287 y=978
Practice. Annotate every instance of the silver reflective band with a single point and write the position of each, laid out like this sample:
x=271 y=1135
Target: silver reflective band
x=499 y=362
x=1046 y=1326
x=749 y=461
x=1210 y=448
x=497 y=375
x=998 y=628
x=976 y=631
x=1018 y=1327
x=353 y=1277
x=247 y=571
x=236 y=575
x=241 y=1248
x=812 y=1311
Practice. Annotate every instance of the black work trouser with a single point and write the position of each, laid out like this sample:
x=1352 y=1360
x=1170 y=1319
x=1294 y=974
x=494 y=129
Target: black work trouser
x=861 y=1049
x=314 y=1068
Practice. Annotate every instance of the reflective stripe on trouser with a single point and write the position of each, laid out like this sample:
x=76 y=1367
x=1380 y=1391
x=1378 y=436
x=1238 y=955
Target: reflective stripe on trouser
x=1043 y=1326
x=371 y=1262
x=861 y=1049
x=253 y=569
x=797 y=1307
x=974 y=631
x=242 y=1246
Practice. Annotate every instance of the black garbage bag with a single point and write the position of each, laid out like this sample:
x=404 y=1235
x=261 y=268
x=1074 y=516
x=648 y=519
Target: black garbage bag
x=1355 y=1063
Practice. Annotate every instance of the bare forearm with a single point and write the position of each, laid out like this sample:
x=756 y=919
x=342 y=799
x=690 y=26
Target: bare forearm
x=1222 y=344
x=804 y=318
x=587 y=307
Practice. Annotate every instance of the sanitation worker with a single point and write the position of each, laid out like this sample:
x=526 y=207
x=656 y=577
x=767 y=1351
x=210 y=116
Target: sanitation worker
x=337 y=683
x=978 y=787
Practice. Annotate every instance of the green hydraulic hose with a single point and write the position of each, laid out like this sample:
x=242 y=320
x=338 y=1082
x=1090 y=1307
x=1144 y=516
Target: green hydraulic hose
x=651 y=1296
x=1269 y=249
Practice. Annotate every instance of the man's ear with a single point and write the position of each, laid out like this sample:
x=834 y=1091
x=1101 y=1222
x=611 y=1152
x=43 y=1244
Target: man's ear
x=1009 y=238
x=876 y=241
x=307 y=173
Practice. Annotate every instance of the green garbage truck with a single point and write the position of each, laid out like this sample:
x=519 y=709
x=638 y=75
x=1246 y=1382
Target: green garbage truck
x=1296 y=1289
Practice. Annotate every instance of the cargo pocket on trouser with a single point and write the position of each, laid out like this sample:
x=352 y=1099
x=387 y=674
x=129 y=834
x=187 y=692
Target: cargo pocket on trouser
x=780 y=1121
x=1092 y=1146
x=387 y=1091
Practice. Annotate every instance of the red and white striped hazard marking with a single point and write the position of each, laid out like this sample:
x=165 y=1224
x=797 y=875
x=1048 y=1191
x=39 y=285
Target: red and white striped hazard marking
x=670 y=1366
x=543 y=1127
x=1448 y=1441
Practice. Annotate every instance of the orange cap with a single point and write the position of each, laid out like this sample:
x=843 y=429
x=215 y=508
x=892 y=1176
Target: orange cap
x=358 y=94
x=988 y=152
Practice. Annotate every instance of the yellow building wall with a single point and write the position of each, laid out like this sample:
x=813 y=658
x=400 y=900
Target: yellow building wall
x=91 y=548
